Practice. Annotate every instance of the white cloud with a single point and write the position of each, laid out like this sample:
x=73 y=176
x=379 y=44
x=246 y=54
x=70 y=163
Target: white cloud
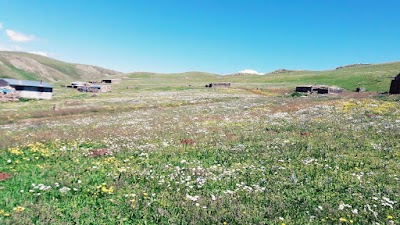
x=248 y=71
x=40 y=53
x=19 y=37
x=1 y=25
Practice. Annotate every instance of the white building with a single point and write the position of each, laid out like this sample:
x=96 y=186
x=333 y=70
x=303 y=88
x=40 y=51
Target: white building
x=29 y=88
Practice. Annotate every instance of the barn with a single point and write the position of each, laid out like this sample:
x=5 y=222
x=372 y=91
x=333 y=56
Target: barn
x=29 y=88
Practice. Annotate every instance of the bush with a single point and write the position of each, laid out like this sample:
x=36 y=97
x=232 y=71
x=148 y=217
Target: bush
x=25 y=99
x=297 y=94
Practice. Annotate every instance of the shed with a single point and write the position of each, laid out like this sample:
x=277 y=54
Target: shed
x=29 y=88
x=111 y=81
x=77 y=84
x=218 y=85
x=395 y=85
x=319 y=89
x=303 y=88
x=95 y=88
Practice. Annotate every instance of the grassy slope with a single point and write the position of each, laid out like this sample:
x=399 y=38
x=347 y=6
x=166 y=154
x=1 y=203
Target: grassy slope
x=67 y=71
x=262 y=159
x=372 y=77
x=261 y=167
x=66 y=68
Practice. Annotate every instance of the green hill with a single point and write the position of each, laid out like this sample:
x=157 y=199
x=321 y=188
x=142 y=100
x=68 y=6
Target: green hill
x=375 y=77
x=21 y=65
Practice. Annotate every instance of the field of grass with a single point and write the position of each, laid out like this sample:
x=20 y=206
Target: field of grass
x=372 y=77
x=158 y=150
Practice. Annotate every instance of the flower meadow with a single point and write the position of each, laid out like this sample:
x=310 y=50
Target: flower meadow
x=206 y=157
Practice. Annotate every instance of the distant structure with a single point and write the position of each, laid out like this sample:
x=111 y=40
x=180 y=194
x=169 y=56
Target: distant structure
x=111 y=81
x=218 y=85
x=77 y=84
x=304 y=89
x=360 y=89
x=319 y=89
x=29 y=88
x=96 y=88
x=395 y=85
x=90 y=87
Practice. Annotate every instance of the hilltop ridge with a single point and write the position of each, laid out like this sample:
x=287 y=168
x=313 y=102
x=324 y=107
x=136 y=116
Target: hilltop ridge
x=21 y=65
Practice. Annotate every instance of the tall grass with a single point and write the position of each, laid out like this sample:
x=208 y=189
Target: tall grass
x=205 y=156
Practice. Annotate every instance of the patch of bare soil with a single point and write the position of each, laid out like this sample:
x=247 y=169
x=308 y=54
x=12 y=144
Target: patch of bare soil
x=100 y=152
x=4 y=176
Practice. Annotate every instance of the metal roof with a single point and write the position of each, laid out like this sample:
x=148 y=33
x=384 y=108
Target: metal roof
x=30 y=83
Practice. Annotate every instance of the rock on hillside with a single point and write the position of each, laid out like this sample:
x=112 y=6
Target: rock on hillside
x=20 y=65
x=281 y=71
x=353 y=65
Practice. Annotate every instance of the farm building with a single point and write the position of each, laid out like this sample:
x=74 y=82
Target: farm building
x=395 y=85
x=218 y=85
x=95 y=88
x=77 y=84
x=319 y=89
x=111 y=81
x=29 y=88
x=304 y=89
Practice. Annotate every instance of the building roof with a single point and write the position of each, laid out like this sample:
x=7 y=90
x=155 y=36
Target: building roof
x=99 y=86
x=78 y=83
x=30 y=83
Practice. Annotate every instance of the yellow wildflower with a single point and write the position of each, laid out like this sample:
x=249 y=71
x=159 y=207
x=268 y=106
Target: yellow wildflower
x=15 y=151
x=390 y=217
x=341 y=219
x=106 y=190
x=19 y=209
x=6 y=214
x=1 y=211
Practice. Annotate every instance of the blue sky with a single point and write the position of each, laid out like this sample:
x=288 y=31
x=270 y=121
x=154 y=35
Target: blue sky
x=219 y=36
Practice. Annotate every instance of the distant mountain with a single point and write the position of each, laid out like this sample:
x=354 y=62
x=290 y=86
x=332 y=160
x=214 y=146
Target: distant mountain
x=27 y=66
x=249 y=71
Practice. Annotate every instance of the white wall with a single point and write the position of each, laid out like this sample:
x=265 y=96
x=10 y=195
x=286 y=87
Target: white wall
x=35 y=94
